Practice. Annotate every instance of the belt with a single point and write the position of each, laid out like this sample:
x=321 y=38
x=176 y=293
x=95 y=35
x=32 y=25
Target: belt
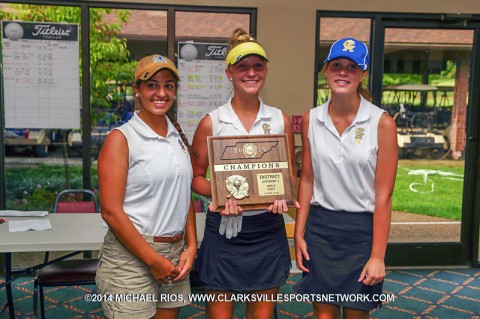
x=168 y=239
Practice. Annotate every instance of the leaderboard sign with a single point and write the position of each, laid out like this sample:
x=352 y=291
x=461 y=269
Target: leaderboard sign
x=41 y=75
x=203 y=83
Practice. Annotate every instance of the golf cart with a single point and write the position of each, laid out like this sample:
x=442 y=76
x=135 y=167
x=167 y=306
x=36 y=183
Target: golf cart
x=418 y=129
x=36 y=140
x=19 y=140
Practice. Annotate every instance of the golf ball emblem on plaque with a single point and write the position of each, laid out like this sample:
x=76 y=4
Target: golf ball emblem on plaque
x=237 y=186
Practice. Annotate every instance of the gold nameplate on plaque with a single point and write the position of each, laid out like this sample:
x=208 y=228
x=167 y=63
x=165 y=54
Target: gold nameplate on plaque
x=254 y=170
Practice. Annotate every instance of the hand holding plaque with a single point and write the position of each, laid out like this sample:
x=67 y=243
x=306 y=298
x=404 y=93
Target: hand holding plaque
x=252 y=169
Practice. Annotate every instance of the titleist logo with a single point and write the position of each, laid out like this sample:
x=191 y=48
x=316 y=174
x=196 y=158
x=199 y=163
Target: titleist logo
x=216 y=50
x=50 y=30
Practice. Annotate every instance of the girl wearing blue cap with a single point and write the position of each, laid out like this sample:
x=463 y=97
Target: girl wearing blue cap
x=347 y=179
x=242 y=251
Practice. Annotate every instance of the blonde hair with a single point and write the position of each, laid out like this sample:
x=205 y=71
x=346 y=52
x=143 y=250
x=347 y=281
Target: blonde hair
x=363 y=91
x=239 y=36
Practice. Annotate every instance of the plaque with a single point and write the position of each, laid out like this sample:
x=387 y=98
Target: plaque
x=255 y=170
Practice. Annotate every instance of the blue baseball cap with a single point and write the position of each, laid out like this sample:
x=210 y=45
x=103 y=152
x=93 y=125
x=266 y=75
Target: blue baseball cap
x=352 y=49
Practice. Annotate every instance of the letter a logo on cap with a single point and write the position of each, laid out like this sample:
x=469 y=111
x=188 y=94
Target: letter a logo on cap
x=352 y=49
x=349 y=45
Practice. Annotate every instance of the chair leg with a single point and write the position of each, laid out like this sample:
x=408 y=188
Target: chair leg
x=42 y=304
x=35 y=298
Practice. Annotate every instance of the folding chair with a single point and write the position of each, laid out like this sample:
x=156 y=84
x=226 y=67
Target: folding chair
x=69 y=272
x=75 y=202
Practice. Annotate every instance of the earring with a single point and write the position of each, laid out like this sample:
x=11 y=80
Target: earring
x=136 y=94
x=230 y=79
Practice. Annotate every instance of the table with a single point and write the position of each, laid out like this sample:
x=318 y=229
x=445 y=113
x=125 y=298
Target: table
x=69 y=232
x=77 y=232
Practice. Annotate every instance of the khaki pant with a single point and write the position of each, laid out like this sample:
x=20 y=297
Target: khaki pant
x=126 y=286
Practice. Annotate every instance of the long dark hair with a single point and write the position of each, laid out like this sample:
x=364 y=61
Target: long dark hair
x=171 y=116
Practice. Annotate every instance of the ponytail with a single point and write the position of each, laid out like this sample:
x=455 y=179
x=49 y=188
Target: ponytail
x=184 y=138
x=363 y=91
x=239 y=36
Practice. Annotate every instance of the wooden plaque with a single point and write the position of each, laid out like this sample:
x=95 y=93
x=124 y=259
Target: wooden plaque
x=252 y=169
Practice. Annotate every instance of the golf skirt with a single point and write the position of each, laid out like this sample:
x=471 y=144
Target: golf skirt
x=339 y=244
x=257 y=259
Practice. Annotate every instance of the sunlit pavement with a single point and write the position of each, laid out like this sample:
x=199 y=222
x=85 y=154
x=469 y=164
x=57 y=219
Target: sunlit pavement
x=408 y=227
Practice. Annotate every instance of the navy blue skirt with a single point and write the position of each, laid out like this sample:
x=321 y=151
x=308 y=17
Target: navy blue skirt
x=257 y=259
x=339 y=244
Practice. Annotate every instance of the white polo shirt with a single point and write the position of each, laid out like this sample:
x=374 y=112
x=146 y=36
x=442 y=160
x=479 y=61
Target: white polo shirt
x=157 y=196
x=344 y=166
x=225 y=121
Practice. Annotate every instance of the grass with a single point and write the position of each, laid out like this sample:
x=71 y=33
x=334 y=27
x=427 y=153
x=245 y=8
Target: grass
x=34 y=188
x=429 y=189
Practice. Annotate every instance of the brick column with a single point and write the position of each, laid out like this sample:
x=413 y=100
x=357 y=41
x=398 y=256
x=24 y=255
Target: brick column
x=459 y=110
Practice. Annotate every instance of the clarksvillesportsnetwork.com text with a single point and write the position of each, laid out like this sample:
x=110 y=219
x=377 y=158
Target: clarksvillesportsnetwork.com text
x=240 y=297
